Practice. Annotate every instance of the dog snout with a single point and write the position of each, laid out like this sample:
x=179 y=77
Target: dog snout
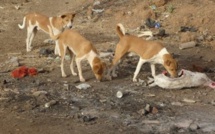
x=70 y=27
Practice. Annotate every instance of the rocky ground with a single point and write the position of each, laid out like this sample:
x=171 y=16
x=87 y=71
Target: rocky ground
x=47 y=103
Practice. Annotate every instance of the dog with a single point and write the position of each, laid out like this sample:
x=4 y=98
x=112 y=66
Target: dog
x=37 y=21
x=149 y=51
x=79 y=48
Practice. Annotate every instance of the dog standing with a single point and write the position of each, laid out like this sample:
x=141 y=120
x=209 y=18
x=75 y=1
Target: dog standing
x=79 y=49
x=36 y=21
x=149 y=51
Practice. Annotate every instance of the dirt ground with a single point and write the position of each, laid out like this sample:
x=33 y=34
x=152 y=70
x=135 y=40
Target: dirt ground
x=97 y=109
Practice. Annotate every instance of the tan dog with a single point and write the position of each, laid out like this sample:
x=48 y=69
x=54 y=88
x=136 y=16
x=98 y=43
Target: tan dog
x=80 y=48
x=149 y=51
x=36 y=21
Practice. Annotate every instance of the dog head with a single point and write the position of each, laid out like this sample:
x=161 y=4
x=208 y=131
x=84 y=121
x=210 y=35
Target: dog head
x=170 y=65
x=99 y=68
x=67 y=20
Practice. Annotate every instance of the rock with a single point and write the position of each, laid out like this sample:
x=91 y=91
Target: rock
x=194 y=126
x=14 y=61
x=187 y=37
x=38 y=93
x=148 y=108
x=83 y=86
x=142 y=112
x=154 y=110
x=45 y=52
x=50 y=103
x=184 y=124
x=88 y=118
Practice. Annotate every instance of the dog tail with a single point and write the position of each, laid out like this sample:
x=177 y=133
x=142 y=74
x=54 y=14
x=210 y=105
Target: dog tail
x=54 y=37
x=23 y=24
x=120 y=30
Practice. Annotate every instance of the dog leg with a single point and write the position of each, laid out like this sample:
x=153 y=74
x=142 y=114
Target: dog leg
x=153 y=69
x=72 y=63
x=56 y=50
x=78 y=63
x=119 y=53
x=28 y=39
x=63 y=53
x=139 y=65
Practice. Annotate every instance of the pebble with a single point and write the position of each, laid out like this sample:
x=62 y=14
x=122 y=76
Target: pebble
x=50 y=103
x=38 y=93
x=154 y=110
x=148 y=108
x=142 y=112
x=194 y=126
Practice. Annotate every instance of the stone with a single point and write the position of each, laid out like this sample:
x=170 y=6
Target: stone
x=194 y=126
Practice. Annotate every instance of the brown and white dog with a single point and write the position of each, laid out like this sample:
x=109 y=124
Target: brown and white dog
x=149 y=51
x=79 y=48
x=36 y=21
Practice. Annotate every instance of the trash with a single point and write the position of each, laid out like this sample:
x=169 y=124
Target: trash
x=83 y=86
x=177 y=104
x=150 y=23
x=187 y=45
x=119 y=94
x=148 y=108
x=46 y=52
x=186 y=79
x=23 y=71
x=185 y=29
x=88 y=118
x=98 y=10
x=161 y=33
x=50 y=103
x=188 y=100
x=157 y=25
x=146 y=33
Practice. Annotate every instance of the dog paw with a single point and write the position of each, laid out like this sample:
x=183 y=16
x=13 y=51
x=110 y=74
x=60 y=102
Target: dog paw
x=29 y=49
x=134 y=80
x=74 y=74
x=82 y=80
x=64 y=76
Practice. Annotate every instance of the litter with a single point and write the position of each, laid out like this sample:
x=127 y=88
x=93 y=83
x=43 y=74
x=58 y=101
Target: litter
x=23 y=71
x=187 y=45
x=83 y=86
x=186 y=79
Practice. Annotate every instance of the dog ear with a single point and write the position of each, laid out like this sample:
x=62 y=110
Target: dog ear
x=167 y=62
x=73 y=15
x=97 y=69
x=63 y=16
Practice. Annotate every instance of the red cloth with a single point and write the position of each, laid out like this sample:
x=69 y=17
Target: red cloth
x=23 y=71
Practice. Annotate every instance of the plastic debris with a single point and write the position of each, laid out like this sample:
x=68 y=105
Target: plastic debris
x=83 y=86
x=187 y=45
